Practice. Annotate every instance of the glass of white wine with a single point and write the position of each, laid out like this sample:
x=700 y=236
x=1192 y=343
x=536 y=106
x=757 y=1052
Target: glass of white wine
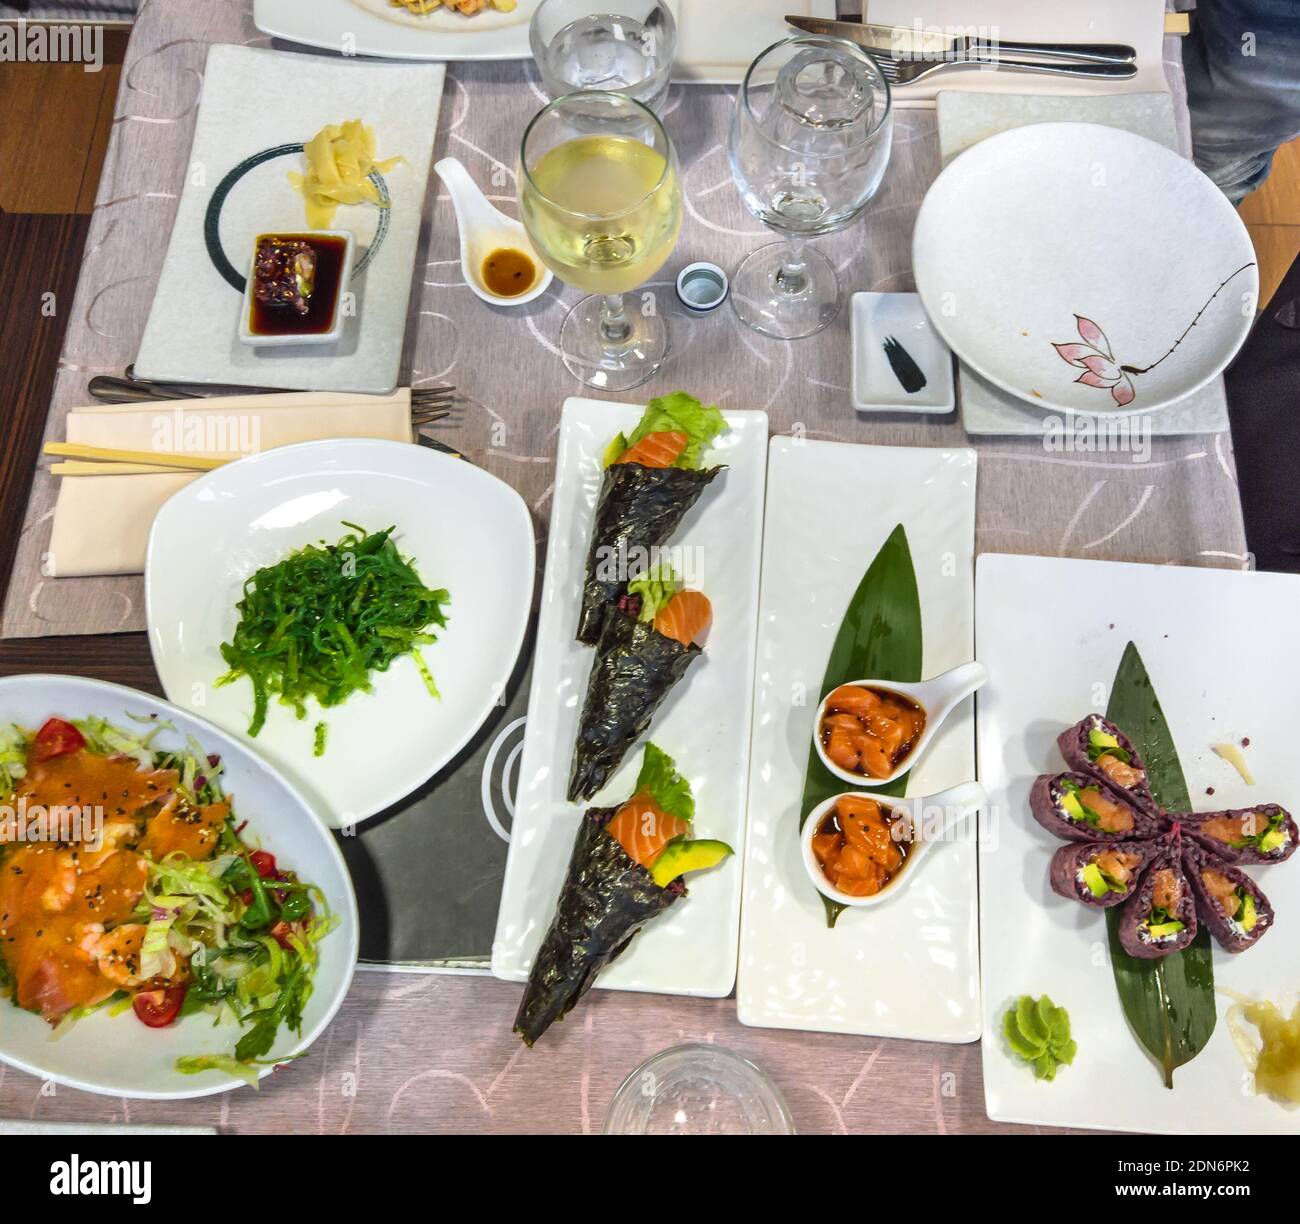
x=600 y=198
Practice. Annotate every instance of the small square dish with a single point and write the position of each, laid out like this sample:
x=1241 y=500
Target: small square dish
x=297 y=288
x=895 y=347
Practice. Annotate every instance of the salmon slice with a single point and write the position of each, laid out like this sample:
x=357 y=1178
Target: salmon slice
x=684 y=617
x=1223 y=890
x=643 y=829
x=1167 y=892
x=1119 y=773
x=656 y=450
x=1111 y=816
x=853 y=699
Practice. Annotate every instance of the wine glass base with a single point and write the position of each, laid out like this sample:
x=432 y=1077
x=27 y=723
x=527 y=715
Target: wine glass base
x=611 y=368
x=765 y=304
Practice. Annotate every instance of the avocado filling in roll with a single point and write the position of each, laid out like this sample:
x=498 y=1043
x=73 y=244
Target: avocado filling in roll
x=1162 y=922
x=1235 y=901
x=1088 y=805
x=1111 y=871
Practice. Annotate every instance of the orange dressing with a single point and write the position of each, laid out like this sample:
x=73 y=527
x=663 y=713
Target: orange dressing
x=860 y=846
x=508 y=272
x=65 y=908
x=870 y=731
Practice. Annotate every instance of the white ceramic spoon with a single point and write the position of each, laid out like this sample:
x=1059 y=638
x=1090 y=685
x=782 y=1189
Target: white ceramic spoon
x=927 y=820
x=938 y=697
x=483 y=229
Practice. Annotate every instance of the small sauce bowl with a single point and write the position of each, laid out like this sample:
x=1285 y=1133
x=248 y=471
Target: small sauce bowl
x=923 y=822
x=937 y=698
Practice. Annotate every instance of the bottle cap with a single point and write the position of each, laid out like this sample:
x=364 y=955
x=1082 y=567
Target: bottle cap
x=702 y=287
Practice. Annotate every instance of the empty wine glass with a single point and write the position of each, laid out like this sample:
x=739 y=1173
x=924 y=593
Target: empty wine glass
x=623 y=45
x=809 y=145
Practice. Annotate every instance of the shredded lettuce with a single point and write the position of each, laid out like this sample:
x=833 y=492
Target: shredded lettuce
x=13 y=757
x=680 y=413
x=660 y=780
x=249 y=1072
x=656 y=587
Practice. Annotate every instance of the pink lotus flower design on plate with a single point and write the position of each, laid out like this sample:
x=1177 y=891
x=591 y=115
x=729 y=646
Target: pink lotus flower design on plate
x=1100 y=369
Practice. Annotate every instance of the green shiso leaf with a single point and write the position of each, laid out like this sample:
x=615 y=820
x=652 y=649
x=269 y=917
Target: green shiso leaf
x=660 y=780
x=879 y=639
x=1169 y=1002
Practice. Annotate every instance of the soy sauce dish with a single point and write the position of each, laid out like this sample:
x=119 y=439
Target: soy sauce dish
x=297 y=287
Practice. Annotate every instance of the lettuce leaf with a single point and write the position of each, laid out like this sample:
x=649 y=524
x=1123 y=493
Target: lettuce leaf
x=681 y=413
x=656 y=587
x=660 y=780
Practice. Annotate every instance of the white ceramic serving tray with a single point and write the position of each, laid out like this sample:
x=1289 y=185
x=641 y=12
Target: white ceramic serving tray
x=704 y=724
x=1220 y=648
x=908 y=967
x=256 y=106
x=716 y=39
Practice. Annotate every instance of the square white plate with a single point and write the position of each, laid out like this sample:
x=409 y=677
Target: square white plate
x=1220 y=648
x=874 y=317
x=256 y=106
x=909 y=967
x=716 y=39
x=464 y=529
x=704 y=725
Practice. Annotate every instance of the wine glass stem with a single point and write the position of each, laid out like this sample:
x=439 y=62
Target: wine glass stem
x=792 y=276
x=614 y=327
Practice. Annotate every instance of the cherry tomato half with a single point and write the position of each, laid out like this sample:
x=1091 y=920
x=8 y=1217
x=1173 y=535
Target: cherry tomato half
x=57 y=738
x=263 y=863
x=158 y=1008
x=280 y=933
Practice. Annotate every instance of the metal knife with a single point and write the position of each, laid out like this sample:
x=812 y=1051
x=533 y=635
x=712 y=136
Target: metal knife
x=906 y=42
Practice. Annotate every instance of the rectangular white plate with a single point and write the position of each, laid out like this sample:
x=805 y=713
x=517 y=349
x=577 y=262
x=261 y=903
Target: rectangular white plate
x=704 y=725
x=256 y=101
x=1220 y=648
x=909 y=967
x=716 y=39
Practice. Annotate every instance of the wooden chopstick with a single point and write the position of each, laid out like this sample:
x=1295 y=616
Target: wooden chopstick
x=107 y=454
x=78 y=467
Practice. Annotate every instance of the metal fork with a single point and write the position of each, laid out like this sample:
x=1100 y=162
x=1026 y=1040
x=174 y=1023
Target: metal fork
x=907 y=72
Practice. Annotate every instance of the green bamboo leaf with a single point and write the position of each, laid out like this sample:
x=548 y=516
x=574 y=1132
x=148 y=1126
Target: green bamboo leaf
x=879 y=639
x=1169 y=1002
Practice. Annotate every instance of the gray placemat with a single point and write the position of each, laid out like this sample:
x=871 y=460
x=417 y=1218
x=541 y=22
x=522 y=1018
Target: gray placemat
x=967 y=118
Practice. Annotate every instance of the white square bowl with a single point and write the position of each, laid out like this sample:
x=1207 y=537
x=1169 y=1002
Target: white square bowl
x=873 y=317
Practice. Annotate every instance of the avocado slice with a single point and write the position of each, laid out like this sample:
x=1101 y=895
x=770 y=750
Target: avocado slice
x=681 y=855
x=1272 y=840
x=1095 y=881
x=1073 y=807
x=1102 y=740
x=1158 y=930
x=614 y=451
x=1249 y=914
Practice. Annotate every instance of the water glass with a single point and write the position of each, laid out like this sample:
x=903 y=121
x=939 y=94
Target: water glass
x=622 y=45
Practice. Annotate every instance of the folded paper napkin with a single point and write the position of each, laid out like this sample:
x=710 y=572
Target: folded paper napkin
x=101 y=523
x=1138 y=23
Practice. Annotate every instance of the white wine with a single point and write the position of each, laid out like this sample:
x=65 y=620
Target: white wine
x=603 y=212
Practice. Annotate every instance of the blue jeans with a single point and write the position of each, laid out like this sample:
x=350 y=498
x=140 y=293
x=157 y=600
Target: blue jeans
x=1242 y=61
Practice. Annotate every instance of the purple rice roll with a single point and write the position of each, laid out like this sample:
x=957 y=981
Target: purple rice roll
x=1079 y=807
x=1230 y=902
x=1160 y=917
x=1099 y=747
x=1265 y=833
x=1100 y=874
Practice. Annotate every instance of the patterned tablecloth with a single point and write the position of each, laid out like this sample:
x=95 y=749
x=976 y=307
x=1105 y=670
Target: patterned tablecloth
x=436 y=1053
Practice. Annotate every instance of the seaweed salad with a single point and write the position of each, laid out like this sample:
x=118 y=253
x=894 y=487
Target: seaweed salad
x=626 y=867
x=653 y=476
x=647 y=642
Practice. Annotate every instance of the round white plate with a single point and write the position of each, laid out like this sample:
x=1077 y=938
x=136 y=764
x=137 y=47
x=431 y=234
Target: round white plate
x=1084 y=269
x=465 y=530
x=117 y=1055
x=375 y=27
